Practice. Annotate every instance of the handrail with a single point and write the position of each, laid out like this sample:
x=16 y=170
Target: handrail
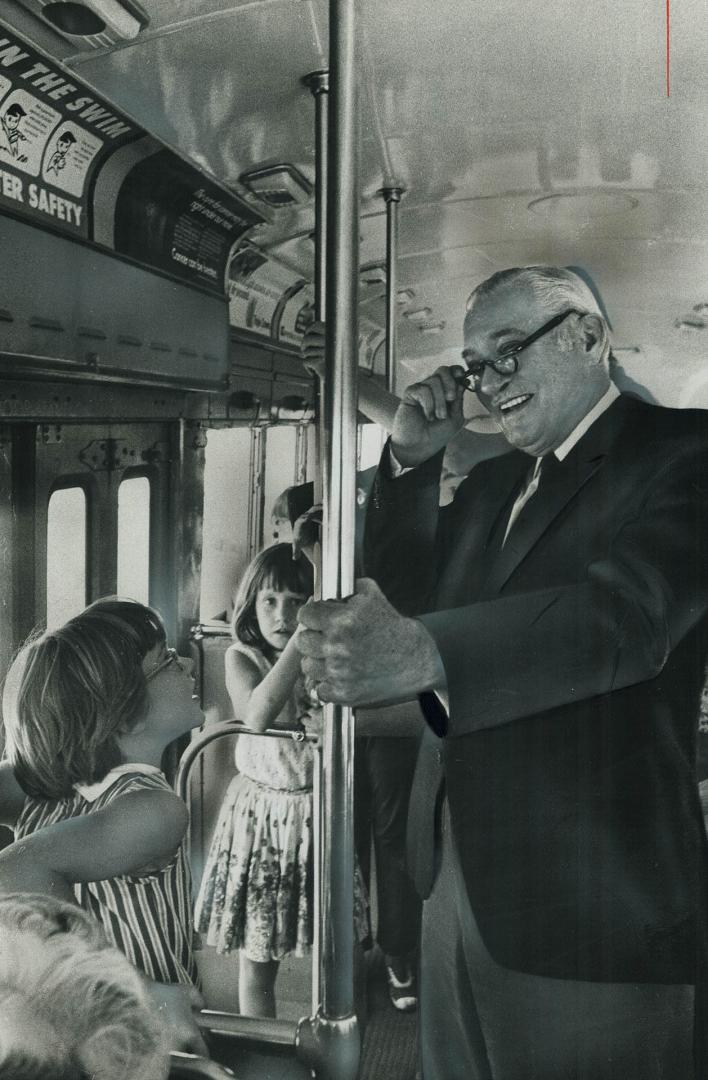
x=193 y=1067
x=218 y=731
x=253 y=1029
x=233 y=727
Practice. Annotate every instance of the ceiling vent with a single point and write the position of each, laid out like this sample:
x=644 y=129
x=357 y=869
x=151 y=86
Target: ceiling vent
x=692 y=321
x=418 y=315
x=278 y=185
x=373 y=274
x=92 y=24
x=696 y=319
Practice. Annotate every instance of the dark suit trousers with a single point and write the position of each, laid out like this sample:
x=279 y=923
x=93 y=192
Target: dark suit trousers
x=383 y=773
x=480 y=1021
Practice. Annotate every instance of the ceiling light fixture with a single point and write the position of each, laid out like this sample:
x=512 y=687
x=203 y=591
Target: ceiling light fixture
x=92 y=24
x=278 y=185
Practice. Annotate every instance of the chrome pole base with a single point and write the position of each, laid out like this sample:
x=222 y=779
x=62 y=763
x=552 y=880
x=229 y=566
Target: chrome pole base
x=331 y=1048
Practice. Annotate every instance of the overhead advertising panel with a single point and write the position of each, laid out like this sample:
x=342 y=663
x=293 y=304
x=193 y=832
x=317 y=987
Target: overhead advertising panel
x=274 y=303
x=268 y=299
x=54 y=135
x=57 y=139
x=170 y=216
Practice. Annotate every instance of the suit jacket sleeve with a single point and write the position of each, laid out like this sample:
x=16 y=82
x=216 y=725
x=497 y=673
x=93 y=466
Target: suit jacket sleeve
x=401 y=533
x=524 y=653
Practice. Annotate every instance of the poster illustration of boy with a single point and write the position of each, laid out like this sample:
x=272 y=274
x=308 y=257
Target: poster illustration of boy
x=11 y=133
x=58 y=159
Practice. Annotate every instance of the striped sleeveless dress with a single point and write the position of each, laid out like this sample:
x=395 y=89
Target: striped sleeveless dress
x=147 y=916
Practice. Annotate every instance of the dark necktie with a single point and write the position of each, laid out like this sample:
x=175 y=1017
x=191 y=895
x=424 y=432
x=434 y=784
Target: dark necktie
x=540 y=467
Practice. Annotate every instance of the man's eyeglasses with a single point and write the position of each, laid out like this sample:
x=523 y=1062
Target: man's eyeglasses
x=507 y=363
x=171 y=657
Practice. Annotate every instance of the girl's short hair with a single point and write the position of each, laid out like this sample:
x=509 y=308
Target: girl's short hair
x=273 y=568
x=71 y=691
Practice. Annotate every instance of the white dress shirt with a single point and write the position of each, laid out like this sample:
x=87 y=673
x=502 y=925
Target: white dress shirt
x=561 y=452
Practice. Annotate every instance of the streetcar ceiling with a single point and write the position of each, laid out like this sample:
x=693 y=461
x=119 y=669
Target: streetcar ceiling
x=522 y=131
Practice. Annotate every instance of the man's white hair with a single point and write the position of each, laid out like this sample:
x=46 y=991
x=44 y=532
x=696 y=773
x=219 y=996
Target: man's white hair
x=554 y=287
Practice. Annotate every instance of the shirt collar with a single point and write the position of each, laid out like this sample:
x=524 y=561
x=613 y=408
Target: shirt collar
x=91 y=792
x=610 y=395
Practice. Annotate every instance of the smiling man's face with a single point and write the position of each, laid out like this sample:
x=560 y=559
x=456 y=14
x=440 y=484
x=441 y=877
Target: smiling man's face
x=558 y=379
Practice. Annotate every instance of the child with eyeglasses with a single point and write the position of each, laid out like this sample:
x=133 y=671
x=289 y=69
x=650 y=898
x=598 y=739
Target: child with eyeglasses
x=88 y=710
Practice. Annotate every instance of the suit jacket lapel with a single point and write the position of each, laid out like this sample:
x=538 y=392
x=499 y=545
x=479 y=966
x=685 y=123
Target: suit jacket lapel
x=476 y=533
x=562 y=483
x=494 y=511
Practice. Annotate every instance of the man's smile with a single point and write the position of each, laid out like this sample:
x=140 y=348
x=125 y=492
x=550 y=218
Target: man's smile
x=513 y=403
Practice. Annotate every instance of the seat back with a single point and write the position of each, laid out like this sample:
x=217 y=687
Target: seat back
x=190 y=1067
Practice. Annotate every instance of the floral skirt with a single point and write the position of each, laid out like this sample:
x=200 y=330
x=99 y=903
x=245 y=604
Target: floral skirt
x=257 y=889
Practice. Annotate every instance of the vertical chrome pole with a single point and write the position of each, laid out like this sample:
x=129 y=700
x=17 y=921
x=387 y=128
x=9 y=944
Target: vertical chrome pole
x=340 y=466
x=392 y=197
x=317 y=817
x=301 y=454
x=256 y=491
x=318 y=84
x=330 y=1042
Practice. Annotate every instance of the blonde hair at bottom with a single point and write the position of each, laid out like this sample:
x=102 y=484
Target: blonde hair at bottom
x=71 y=1005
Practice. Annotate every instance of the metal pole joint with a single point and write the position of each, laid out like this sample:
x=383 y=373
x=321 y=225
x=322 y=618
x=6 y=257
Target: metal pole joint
x=317 y=82
x=329 y=1047
x=392 y=194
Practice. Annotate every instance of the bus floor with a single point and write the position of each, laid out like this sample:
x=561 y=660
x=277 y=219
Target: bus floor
x=390 y=1047
x=389 y=1050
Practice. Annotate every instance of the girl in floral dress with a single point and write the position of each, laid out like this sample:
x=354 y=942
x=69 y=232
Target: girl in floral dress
x=256 y=894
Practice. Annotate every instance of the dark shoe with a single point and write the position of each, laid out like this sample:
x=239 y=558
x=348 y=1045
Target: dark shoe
x=401 y=987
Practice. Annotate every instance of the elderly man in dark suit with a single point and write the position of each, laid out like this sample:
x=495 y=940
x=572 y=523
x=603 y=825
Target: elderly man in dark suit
x=557 y=832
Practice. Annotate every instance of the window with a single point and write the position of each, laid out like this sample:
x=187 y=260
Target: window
x=371 y=441
x=225 y=530
x=66 y=554
x=134 y=539
x=280 y=471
